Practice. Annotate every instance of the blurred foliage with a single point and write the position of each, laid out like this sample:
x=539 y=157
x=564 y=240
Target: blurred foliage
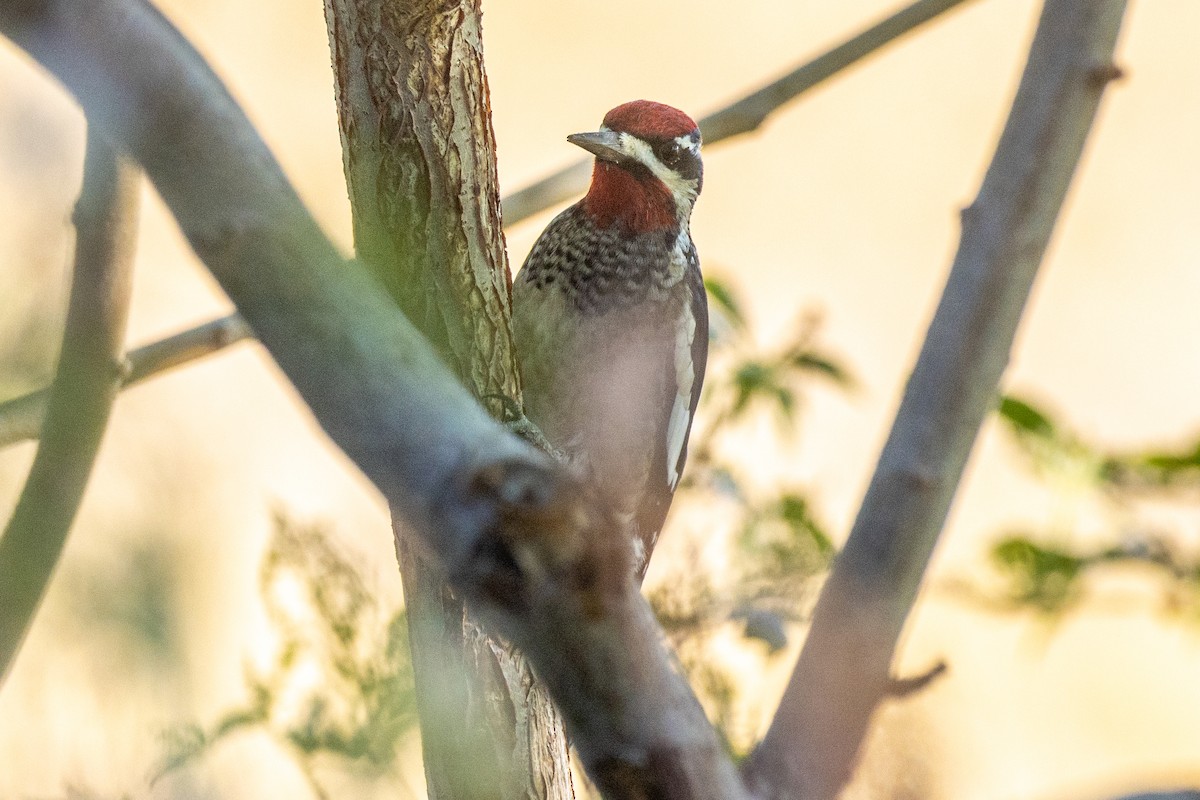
x=747 y=378
x=775 y=543
x=129 y=596
x=340 y=684
x=1044 y=570
x=1053 y=448
x=1050 y=577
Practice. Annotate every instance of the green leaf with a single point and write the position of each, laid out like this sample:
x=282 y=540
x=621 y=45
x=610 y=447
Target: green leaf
x=822 y=366
x=724 y=298
x=794 y=510
x=1043 y=576
x=787 y=402
x=182 y=743
x=1166 y=469
x=751 y=379
x=1024 y=417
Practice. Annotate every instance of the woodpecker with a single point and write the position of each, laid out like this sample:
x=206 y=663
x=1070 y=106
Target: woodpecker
x=610 y=317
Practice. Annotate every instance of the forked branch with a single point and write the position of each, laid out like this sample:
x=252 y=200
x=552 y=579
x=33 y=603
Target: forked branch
x=21 y=418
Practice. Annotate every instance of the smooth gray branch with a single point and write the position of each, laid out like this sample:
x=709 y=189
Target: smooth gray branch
x=842 y=673
x=747 y=113
x=21 y=417
x=520 y=539
x=82 y=394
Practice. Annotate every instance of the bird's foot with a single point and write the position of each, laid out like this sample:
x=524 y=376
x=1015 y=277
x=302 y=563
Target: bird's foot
x=524 y=427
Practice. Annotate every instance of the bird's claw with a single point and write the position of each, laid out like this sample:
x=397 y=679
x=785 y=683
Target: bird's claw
x=523 y=427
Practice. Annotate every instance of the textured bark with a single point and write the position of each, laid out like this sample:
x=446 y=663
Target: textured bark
x=419 y=155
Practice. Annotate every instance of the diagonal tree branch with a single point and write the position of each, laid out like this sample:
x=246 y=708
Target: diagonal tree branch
x=82 y=394
x=747 y=113
x=528 y=547
x=21 y=418
x=184 y=347
x=842 y=674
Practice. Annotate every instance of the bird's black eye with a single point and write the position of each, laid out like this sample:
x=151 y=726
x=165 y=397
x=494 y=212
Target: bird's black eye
x=669 y=153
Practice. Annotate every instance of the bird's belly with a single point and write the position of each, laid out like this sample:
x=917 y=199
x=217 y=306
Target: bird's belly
x=596 y=387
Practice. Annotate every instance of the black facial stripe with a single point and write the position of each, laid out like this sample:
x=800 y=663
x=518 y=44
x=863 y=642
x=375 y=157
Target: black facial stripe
x=689 y=166
x=636 y=168
x=682 y=160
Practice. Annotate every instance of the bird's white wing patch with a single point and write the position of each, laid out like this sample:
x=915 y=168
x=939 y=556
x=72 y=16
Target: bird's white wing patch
x=681 y=410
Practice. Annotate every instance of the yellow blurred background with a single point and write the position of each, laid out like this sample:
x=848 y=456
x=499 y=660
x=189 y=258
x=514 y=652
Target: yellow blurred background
x=846 y=202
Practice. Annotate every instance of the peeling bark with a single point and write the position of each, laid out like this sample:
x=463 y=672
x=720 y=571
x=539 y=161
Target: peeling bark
x=419 y=154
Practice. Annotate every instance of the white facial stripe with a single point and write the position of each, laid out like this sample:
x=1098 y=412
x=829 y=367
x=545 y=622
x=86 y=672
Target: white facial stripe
x=688 y=143
x=683 y=190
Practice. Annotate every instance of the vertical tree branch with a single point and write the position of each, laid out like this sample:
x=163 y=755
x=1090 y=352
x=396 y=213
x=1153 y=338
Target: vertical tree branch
x=419 y=155
x=842 y=674
x=420 y=160
x=87 y=381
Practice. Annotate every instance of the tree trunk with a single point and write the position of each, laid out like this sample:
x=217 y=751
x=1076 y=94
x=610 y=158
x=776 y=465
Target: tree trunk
x=419 y=155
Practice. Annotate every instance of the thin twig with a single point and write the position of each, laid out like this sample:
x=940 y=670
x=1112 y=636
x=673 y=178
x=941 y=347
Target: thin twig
x=186 y=346
x=21 y=418
x=82 y=394
x=842 y=674
x=910 y=685
x=747 y=113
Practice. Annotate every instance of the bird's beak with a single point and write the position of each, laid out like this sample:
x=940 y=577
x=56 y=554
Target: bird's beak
x=604 y=145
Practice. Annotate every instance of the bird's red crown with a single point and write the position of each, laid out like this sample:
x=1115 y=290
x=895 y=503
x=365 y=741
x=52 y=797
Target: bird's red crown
x=648 y=119
x=638 y=202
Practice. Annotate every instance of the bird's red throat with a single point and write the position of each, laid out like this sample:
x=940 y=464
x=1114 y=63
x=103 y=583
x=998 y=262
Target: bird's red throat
x=639 y=204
